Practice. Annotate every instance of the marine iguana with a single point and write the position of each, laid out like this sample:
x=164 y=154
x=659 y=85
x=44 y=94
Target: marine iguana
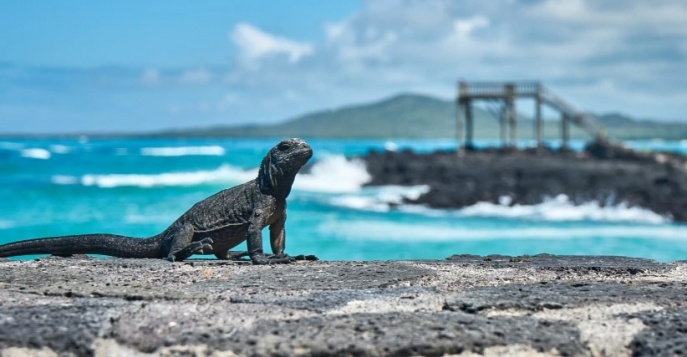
x=212 y=226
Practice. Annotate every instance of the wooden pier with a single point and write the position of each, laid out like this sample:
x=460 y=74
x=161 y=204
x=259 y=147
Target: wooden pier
x=506 y=93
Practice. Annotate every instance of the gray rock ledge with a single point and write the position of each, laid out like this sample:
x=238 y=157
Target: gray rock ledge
x=464 y=305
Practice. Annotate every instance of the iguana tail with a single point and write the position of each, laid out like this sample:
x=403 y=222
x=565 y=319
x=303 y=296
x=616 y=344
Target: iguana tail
x=107 y=244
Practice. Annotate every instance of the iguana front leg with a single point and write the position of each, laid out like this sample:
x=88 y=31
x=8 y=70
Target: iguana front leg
x=278 y=242
x=254 y=242
x=278 y=236
x=257 y=255
x=182 y=245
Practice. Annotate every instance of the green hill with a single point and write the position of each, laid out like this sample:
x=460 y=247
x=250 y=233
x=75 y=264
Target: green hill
x=405 y=115
x=420 y=116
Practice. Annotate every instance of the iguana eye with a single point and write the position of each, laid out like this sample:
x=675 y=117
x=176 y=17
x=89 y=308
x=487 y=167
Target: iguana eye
x=285 y=145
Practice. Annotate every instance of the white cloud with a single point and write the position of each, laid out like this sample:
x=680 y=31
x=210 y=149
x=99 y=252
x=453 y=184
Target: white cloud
x=406 y=45
x=465 y=27
x=377 y=47
x=334 y=30
x=254 y=44
x=566 y=10
x=601 y=56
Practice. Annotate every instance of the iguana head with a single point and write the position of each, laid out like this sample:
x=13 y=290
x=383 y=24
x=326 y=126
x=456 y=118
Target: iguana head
x=280 y=166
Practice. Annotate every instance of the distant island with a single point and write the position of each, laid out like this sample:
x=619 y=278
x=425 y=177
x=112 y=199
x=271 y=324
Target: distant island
x=407 y=116
x=421 y=116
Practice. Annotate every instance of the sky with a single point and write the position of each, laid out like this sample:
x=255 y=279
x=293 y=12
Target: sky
x=92 y=66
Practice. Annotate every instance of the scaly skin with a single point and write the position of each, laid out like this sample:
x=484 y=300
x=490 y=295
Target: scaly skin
x=212 y=226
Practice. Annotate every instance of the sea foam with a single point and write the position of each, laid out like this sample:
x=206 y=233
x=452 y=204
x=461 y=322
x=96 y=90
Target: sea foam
x=213 y=150
x=560 y=208
x=36 y=153
x=378 y=199
x=223 y=174
x=556 y=209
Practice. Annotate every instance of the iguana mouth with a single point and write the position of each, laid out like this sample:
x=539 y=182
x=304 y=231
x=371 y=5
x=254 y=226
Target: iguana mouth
x=303 y=153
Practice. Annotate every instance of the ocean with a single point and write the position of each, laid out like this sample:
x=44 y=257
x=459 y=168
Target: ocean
x=137 y=187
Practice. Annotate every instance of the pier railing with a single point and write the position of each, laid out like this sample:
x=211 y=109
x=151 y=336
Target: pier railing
x=487 y=90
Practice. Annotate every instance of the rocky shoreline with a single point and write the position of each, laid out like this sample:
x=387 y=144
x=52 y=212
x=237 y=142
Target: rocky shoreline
x=465 y=306
x=603 y=172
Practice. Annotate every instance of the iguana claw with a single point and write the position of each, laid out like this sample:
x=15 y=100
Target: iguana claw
x=262 y=259
x=305 y=257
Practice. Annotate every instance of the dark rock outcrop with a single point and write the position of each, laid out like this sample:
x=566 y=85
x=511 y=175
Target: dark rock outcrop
x=606 y=173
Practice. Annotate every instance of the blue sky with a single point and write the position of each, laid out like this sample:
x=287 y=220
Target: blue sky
x=149 y=65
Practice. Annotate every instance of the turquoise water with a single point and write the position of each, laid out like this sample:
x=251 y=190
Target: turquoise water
x=138 y=187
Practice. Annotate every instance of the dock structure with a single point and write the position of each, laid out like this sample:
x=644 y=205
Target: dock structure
x=506 y=94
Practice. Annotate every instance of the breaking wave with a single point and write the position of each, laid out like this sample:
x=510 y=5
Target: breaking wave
x=213 y=150
x=332 y=174
x=557 y=209
x=560 y=208
x=379 y=199
x=343 y=180
x=36 y=153
x=223 y=174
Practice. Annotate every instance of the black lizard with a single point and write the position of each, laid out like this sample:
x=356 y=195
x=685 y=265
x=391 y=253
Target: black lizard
x=212 y=226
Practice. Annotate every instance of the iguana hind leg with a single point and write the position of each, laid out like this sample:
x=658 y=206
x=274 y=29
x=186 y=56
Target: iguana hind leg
x=199 y=247
x=183 y=246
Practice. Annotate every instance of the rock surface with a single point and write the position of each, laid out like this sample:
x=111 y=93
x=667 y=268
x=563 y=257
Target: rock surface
x=465 y=306
x=603 y=172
